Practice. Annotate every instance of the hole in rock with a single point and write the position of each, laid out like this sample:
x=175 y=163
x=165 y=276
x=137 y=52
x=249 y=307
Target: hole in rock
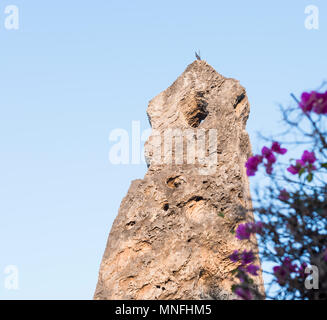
x=239 y=99
x=196 y=198
x=130 y=224
x=175 y=182
x=194 y=108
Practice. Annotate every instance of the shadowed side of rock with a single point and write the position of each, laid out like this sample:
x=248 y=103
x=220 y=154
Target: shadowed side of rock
x=173 y=234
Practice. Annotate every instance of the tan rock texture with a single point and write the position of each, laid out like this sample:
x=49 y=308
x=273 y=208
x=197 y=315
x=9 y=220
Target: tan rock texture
x=173 y=233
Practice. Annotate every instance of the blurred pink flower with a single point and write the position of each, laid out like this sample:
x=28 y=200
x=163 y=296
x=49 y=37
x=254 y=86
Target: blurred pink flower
x=235 y=257
x=308 y=157
x=243 y=293
x=297 y=168
x=284 y=195
x=252 y=165
x=247 y=257
x=276 y=148
x=252 y=269
x=314 y=101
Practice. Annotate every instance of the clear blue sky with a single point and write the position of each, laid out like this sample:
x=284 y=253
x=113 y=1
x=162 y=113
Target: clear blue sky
x=75 y=70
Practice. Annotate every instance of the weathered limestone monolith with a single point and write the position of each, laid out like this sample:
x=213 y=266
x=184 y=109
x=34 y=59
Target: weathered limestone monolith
x=173 y=234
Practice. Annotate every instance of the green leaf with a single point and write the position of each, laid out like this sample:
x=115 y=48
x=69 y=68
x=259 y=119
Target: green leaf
x=221 y=215
x=310 y=177
x=324 y=165
x=301 y=172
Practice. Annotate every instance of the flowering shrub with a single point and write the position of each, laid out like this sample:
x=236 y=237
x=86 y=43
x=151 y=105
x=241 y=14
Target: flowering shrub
x=292 y=229
x=267 y=154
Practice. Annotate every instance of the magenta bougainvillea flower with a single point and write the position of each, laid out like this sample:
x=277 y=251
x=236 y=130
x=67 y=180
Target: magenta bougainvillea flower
x=284 y=195
x=320 y=106
x=244 y=230
x=314 y=101
x=307 y=100
x=283 y=272
x=277 y=149
x=269 y=168
x=247 y=257
x=294 y=169
x=308 y=157
x=297 y=168
x=235 y=256
x=268 y=155
x=252 y=269
x=243 y=293
x=252 y=165
x=306 y=162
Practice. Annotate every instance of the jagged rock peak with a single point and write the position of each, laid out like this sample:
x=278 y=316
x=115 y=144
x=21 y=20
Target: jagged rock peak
x=172 y=236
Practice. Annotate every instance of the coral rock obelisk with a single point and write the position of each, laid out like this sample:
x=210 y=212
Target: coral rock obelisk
x=173 y=234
